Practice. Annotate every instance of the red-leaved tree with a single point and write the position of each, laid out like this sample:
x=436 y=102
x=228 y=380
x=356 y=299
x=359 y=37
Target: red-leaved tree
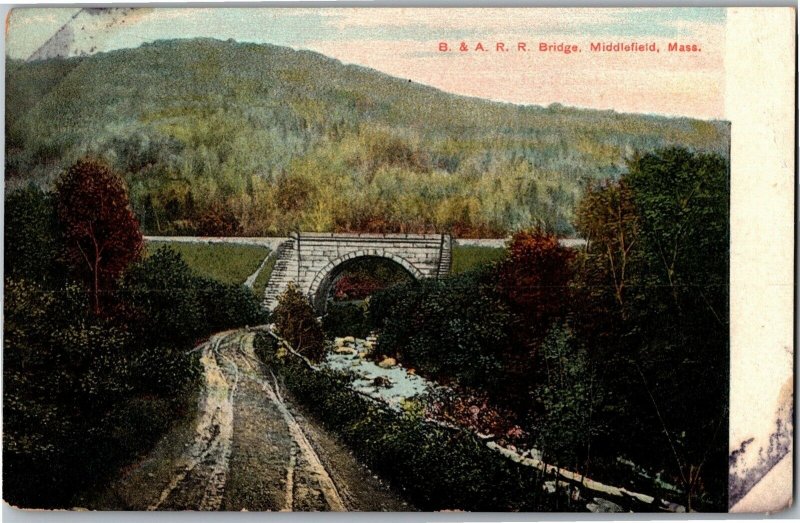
x=101 y=232
x=534 y=279
x=355 y=287
x=218 y=221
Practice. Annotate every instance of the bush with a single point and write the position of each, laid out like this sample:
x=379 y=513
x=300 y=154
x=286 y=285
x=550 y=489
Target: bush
x=452 y=329
x=345 y=319
x=174 y=305
x=84 y=395
x=218 y=221
x=228 y=306
x=572 y=402
x=33 y=240
x=534 y=280
x=355 y=287
x=165 y=297
x=435 y=468
x=296 y=321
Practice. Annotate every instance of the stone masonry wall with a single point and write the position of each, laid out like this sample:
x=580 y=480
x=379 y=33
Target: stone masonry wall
x=308 y=258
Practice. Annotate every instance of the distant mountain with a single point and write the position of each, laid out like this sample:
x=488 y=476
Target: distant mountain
x=266 y=139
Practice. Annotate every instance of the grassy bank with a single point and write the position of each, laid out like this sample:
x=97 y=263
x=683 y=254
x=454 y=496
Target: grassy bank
x=466 y=257
x=260 y=285
x=225 y=263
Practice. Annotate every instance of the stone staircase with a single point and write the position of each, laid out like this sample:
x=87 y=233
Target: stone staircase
x=285 y=271
x=446 y=257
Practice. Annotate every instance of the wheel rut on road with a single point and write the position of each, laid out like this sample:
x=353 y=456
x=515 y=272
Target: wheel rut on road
x=250 y=449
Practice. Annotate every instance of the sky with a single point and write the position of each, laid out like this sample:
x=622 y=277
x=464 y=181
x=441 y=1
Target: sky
x=405 y=42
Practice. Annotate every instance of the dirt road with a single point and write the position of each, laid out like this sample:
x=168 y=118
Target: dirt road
x=248 y=448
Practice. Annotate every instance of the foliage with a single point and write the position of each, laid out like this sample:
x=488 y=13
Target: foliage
x=468 y=257
x=345 y=319
x=572 y=402
x=101 y=233
x=355 y=287
x=285 y=140
x=534 y=279
x=449 y=329
x=619 y=351
x=166 y=292
x=653 y=298
x=608 y=220
x=475 y=410
x=533 y=282
x=683 y=201
x=435 y=468
x=33 y=242
x=225 y=263
x=84 y=395
x=296 y=321
x=218 y=221
x=78 y=400
x=362 y=277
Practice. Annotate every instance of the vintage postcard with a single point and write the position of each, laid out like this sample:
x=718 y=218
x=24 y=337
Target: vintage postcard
x=399 y=259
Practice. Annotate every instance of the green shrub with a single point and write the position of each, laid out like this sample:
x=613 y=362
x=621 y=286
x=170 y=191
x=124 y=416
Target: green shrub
x=434 y=467
x=84 y=395
x=345 y=319
x=572 y=400
x=33 y=239
x=448 y=329
x=174 y=305
x=296 y=321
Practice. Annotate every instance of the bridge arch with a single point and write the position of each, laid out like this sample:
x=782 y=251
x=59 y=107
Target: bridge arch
x=320 y=285
x=312 y=260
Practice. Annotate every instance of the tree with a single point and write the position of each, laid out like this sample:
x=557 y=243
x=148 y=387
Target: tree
x=32 y=238
x=454 y=329
x=534 y=278
x=218 y=221
x=572 y=400
x=682 y=198
x=295 y=320
x=608 y=221
x=653 y=305
x=101 y=232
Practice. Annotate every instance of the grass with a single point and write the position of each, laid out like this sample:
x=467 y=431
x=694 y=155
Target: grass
x=234 y=263
x=260 y=285
x=467 y=257
x=223 y=262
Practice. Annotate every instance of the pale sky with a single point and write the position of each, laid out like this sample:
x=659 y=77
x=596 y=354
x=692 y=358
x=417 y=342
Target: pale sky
x=405 y=42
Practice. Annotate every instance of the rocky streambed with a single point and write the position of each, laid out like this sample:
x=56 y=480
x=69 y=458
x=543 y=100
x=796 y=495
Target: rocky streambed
x=386 y=381
x=389 y=382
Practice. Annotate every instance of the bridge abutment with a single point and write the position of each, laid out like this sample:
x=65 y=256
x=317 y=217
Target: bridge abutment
x=309 y=259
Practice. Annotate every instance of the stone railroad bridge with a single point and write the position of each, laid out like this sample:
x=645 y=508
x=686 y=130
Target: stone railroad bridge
x=313 y=260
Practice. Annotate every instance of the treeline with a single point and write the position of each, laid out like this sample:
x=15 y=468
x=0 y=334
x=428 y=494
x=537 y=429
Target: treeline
x=602 y=358
x=95 y=356
x=226 y=138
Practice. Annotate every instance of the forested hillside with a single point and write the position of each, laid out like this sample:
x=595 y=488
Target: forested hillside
x=221 y=137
